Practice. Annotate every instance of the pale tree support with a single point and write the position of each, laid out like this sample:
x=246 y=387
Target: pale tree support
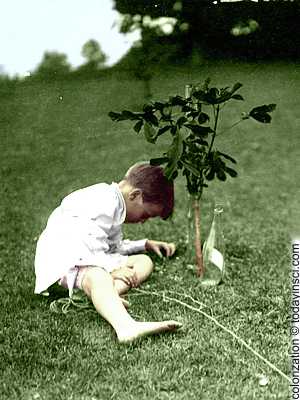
x=194 y=204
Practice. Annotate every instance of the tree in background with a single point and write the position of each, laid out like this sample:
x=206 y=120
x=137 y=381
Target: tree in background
x=54 y=65
x=93 y=54
x=164 y=18
x=156 y=46
x=95 y=60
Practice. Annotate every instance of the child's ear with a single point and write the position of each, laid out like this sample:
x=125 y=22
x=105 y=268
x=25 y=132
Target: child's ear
x=135 y=193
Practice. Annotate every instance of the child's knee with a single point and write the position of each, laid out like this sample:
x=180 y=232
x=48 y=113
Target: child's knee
x=142 y=261
x=147 y=262
x=143 y=267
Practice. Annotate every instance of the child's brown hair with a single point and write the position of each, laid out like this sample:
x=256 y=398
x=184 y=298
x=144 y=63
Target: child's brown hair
x=155 y=187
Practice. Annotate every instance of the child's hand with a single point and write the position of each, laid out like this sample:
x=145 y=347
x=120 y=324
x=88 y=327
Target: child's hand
x=154 y=245
x=127 y=275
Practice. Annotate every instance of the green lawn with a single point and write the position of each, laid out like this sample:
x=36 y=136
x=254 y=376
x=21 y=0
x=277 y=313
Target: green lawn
x=56 y=138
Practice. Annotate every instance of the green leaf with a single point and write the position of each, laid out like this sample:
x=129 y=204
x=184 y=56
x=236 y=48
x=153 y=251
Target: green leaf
x=150 y=133
x=191 y=168
x=124 y=115
x=177 y=101
x=212 y=95
x=148 y=108
x=158 y=105
x=260 y=113
x=226 y=94
x=266 y=108
x=231 y=172
x=187 y=108
x=217 y=163
x=174 y=130
x=236 y=87
x=193 y=114
x=210 y=174
x=199 y=130
x=261 y=117
x=227 y=157
x=221 y=175
x=114 y=116
x=174 y=175
x=200 y=141
x=237 y=97
x=159 y=160
x=202 y=118
x=150 y=118
x=181 y=121
x=222 y=99
x=161 y=131
x=129 y=115
x=174 y=153
x=138 y=126
x=200 y=95
x=166 y=117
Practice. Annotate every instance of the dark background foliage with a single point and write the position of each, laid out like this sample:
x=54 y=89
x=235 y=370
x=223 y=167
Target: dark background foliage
x=210 y=24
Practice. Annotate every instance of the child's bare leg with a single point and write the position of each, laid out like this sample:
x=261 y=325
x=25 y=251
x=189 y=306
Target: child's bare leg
x=99 y=286
x=142 y=266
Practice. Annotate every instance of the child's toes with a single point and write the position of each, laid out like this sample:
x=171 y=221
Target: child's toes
x=172 y=325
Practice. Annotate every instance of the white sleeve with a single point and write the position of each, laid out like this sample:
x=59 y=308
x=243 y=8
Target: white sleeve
x=128 y=246
x=132 y=246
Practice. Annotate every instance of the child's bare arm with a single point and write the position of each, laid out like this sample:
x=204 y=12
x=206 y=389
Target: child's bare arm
x=157 y=246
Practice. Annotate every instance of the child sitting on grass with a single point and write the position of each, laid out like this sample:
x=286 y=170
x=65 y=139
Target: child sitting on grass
x=82 y=246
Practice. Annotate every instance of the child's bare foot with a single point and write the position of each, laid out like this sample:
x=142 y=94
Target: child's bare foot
x=140 y=329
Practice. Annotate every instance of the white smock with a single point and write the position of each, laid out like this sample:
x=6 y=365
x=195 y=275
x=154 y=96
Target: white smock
x=84 y=230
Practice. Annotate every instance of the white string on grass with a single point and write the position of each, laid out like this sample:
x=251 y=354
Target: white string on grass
x=63 y=305
x=81 y=303
x=215 y=321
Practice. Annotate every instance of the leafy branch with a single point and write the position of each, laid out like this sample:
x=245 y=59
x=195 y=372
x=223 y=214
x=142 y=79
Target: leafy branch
x=192 y=123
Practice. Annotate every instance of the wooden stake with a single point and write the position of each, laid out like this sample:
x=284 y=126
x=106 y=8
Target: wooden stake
x=199 y=256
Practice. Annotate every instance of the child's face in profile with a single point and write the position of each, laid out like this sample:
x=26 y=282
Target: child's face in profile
x=138 y=211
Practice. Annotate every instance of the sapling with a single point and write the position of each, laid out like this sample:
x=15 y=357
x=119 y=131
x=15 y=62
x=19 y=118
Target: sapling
x=192 y=122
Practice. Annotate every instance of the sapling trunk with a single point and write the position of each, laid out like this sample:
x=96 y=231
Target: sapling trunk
x=198 y=249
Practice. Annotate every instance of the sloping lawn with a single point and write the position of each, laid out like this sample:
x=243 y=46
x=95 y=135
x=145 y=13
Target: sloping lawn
x=56 y=138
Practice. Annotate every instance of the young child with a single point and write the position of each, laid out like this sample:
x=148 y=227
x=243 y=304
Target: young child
x=82 y=246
